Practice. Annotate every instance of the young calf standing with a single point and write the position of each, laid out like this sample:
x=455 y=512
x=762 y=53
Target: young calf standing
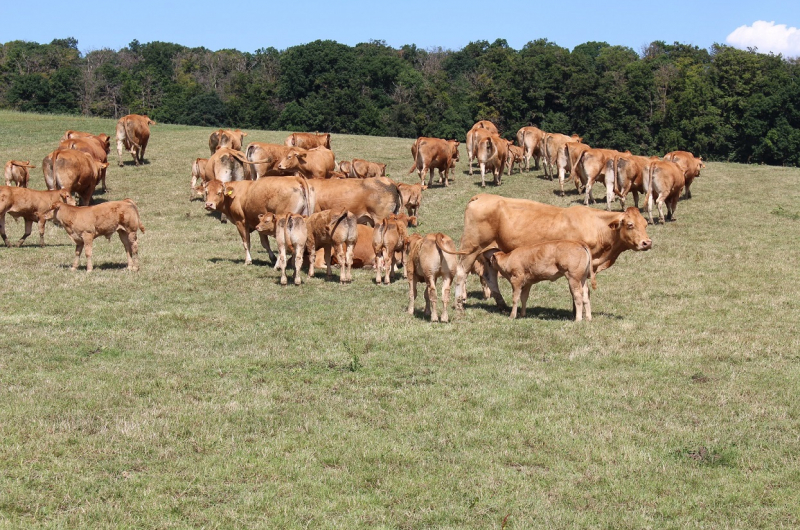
x=289 y=231
x=33 y=206
x=328 y=229
x=530 y=264
x=84 y=223
x=387 y=241
x=426 y=259
x=16 y=173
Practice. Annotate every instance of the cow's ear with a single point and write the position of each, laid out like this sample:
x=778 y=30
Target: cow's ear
x=260 y=217
x=615 y=224
x=229 y=192
x=412 y=221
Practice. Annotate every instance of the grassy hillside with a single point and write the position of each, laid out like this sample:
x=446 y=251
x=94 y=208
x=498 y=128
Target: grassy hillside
x=199 y=392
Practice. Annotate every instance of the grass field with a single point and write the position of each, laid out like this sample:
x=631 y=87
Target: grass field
x=200 y=393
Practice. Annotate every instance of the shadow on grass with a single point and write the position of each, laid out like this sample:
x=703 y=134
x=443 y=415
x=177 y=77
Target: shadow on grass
x=128 y=163
x=240 y=261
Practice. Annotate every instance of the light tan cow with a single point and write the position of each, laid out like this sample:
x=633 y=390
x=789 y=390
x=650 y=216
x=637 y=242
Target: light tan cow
x=84 y=223
x=331 y=229
x=228 y=165
x=363 y=169
x=91 y=146
x=16 y=172
x=551 y=143
x=629 y=174
x=515 y=156
x=427 y=259
x=308 y=140
x=593 y=164
x=491 y=221
x=663 y=180
x=690 y=164
x=315 y=163
x=290 y=232
x=491 y=152
x=74 y=171
x=412 y=196
x=566 y=159
x=266 y=157
x=198 y=175
x=370 y=200
x=345 y=166
x=103 y=139
x=530 y=139
x=133 y=134
x=226 y=138
x=434 y=153
x=472 y=138
x=31 y=205
x=530 y=264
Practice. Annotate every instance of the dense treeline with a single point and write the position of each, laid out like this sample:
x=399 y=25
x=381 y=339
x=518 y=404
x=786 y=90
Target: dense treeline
x=722 y=103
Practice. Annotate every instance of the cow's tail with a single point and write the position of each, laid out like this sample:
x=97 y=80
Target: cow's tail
x=56 y=184
x=135 y=209
x=589 y=268
x=26 y=164
x=238 y=155
x=129 y=134
x=439 y=240
x=648 y=185
x=309 y=197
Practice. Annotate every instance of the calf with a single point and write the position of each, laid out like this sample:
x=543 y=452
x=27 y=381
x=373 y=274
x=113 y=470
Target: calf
x=102 y=138
x=314 y=163
x=387 y=242
x=427 y=259
x=84 y=223
x=691 y=166
x=530 y=264
x=73 y=170
x=492 y=153
x=198 y=174
x=515 y=156
x=266 y=158
x=309 y=140
x=226 y=138
x=345 y=166
x=328 y=229
x=434 y=153
x=17 y=173
x=32 y=205
x=290 y=231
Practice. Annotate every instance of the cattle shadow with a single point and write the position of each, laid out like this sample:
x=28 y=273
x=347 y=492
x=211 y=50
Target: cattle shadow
x=128 y=163
x=35 y=245
x=240 y=261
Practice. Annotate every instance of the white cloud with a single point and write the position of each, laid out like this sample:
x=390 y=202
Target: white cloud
x=767 y=37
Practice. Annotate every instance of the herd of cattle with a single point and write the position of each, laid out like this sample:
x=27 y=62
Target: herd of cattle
x=313 y=208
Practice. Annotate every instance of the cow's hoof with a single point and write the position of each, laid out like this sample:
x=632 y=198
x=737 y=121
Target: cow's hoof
x=284 y=281
x=445 y=318
x=73 y=268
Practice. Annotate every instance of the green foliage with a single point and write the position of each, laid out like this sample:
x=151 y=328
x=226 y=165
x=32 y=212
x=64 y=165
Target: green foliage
x=722 y=103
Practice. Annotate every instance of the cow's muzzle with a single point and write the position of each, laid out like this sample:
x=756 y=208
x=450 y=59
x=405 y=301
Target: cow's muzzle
x=646 y=244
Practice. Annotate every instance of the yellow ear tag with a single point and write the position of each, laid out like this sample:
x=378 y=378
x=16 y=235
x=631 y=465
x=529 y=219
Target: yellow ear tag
x=229 y=192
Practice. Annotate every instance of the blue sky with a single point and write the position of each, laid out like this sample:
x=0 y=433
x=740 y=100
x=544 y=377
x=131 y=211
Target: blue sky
x=247 y=26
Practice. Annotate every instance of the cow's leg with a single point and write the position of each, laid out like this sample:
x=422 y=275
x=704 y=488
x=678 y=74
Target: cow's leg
x=378 y=266
x=469 y=159
x=28 y=228
x=42 y=222
x=490 y=274
x=120 y=148
x=430 y=298
x=412 y=292
x=523 y=300
x=298 y=263
x=430 y=177
x=351 y=248
x=142 y=149
x=265 y=243
x=388 y=262
x=463 y=270
x=661 y=208
x=576 y=290
x=516 y=284
x=609 y=182
x=446 y=281
x=244 y=233
x=587 y=305
x=3 y=230
x=650 y=208
x=103 y=179
x=671 y=205
x=483 y=174
x=282 y=262
x=328 y=253
x=562 y=176
x=123 y=236
x=88 y=242
x=635 y=200
x=312 y=258
x=86 y=198
x=589 y=198
x=78 y=249
x=498 y=176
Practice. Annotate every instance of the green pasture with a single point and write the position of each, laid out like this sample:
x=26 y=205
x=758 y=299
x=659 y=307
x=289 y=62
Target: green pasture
x=198 y=392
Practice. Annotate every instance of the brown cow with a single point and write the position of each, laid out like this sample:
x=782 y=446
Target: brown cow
x=314 y=163
x=387 y=243
x=308 y=140
x=629 y=175
x=434 y=153
x=427 y=259
x=491 y=152
x=665 y=180
x=530 y=264
x=16 y=172
x=370 y=200
x=363 y=253
x=550 y=146
x=592 y=164
x=226 y=138
x=290 y=231
x=411 y=196
x=243 y=201
x=345 y=166
x=259 y=152
x=91 y=146
x=363 y=169
x=133 y=133
x=690 y=164
x=515 y=156
x=328 y=229
x=491 y=221
x=74 y=171
x=228 y=165
x=566 y=159
x=103 y=139
x=84 y=223
x=472 y=138
x=530 y=139
x=32 y=205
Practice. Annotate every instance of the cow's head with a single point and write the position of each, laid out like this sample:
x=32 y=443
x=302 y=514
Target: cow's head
x=66 y=197
x=632 y=229
x=454 y=149
x=148 y=120
x=292 y=160
x=266 y=223
x=215 y=195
